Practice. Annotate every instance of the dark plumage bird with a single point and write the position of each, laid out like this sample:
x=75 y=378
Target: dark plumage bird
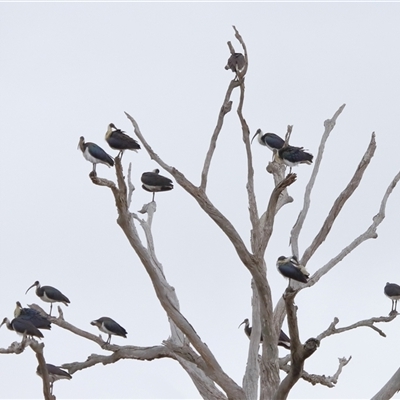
x=290 y=268
x=33 y=316
x=109 y=326
x=271 y=140
x=392 y=290
x=283 y=340
x=49 y=294
x=22 y=327
x=154 y=182
x=94 y=153
x=292 y=156
x=55 y=374
x=119 y=140
x=236 y=62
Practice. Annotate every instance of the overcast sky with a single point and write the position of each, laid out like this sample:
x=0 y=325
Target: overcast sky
x=68 y=70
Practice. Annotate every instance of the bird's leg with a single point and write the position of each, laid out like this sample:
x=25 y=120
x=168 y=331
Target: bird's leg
x=109 y=339
x=154 y=193
x=51 y=307
x=94 y=168
x=395 y=305
x=51 y=388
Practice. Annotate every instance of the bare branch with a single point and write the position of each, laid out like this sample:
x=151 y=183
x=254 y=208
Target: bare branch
x=370 y=233
x=268 y=222
x=329 y=381
x=38 y=349
x=131 y=187
x=332 y=330
x=299 y=353
x=340 y=201
x=294 y=235
x=390 y=388
x=123 y=352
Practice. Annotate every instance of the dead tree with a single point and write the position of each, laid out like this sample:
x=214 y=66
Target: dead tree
x=261 y=379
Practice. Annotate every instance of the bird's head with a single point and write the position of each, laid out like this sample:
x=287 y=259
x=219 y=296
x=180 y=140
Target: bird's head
x=281 y=260
x=18 y=309
x=37 y=284
x=259 y=132
x=110 y=130
x=95 y=323
x=81 y=143
x=156 y=171
x=246 y=322
x=5 y=320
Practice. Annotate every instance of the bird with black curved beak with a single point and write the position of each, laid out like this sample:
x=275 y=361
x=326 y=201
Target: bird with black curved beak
x=293 y=156
x=49 y=294
x=392 y=290
x=154 y=182
x=283 y=340
x=55 y=374
x=290 y=268
x=109 y=326
x=236 y=62
x=119 y=140
x=22 y=327
x=94 y=154
x=31 y=315
x=270 y=140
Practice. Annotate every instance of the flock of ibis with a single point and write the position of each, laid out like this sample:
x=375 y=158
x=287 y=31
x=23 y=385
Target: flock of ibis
x=119 y=140
x=29 y=322
x=290 y=156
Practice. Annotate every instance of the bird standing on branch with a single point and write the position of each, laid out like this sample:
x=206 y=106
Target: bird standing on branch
x=119 y=140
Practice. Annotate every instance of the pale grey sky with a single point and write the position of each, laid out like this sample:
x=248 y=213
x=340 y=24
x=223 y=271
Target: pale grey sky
x=69 y=69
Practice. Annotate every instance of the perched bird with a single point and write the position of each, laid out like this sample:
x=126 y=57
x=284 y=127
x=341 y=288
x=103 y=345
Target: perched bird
x=94 y=153
x=119 y=140
x=55 y=374
x=271 y=140
x=292 y=156
x=290 y=268
x=153 y=182
x=236 y=62
x=392 y=290
x=109 y=326
x=283 y=340
x=22 y=327
x=33 y=316
x=49 y=294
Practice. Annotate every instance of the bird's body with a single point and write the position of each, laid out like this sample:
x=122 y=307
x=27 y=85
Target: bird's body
x=94 y=154
x=49 y=294
x=392 y=290
x=109 y=326
x=154 y=182
x=290 y=268
x=236 y=62
x=22 y=327
x=119 y=140
x=270 y=140
x=283 y=340
x=33 y=316
x=293 y=156
x=55 y=374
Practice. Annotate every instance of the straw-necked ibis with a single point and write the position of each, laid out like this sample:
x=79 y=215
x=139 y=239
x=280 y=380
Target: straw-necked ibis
x=33 y=316
x=22 y=327
x=236 y=62
x=392 y=290
x=271 y=140
x=290 y=268
x=55 y=374
x=293 y=156
x=283 y=340
x=49 y=294
x=109 y=326
x=119 y=140
x=94 y=154
x=154 y=182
